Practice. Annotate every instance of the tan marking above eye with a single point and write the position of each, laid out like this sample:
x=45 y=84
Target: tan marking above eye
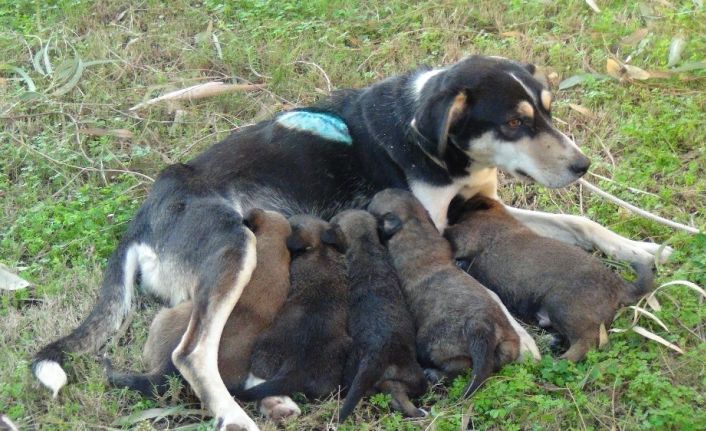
x=546 y=99
x=525 y=109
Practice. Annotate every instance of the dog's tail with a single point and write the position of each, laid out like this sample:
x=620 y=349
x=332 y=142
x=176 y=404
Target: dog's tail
x=482 y=355
x=643 y=284
x=113 y=304
x=369 y=372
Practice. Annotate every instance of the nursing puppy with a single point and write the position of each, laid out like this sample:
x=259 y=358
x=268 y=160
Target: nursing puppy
x=383 y=356
x=457 y=321
x=305 y=349
x=257 y=308
x=542 y=279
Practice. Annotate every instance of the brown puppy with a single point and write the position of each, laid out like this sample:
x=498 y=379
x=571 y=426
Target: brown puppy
x=257 y=308
x=383 y=356
x=457 y=320
x=306 y=347
x=542 y=279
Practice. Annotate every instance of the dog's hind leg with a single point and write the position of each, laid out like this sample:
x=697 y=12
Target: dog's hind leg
x=222 y=276
x=590 y=235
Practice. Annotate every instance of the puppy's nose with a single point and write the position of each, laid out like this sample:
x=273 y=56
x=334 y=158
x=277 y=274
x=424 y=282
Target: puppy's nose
x=580 y=166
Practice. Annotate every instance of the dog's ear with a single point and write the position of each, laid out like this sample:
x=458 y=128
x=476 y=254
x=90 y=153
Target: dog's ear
x=254 y=218
x=296 y=241
x=388 y=225
x=537 y=74
x=335 y=237
x=435 y=117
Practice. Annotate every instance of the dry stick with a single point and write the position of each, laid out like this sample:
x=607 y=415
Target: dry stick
x=199 y=91
x=636 y=210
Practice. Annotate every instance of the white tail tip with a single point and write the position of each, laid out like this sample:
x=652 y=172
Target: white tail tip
x=51 y=375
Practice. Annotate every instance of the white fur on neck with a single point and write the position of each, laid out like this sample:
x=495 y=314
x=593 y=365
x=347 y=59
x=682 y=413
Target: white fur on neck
x=422 y=79
x=436 y=199
x=51 y=375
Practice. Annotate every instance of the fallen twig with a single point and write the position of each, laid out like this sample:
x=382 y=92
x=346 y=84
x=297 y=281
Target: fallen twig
x=636 y=210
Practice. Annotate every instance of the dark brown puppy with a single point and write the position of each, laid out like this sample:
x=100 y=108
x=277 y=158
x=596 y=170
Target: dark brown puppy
x=542 y=279
x=305 y=349
x=257 y=308
x=383 y=356
x=457 y=320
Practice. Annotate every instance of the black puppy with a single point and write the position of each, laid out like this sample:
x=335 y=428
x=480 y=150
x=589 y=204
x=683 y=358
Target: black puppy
x=383 y=357
x=539 y=278
x=306 y=347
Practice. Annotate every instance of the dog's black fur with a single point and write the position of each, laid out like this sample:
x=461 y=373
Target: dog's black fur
x=305 y=349
x=188 y=239
x=383 y=356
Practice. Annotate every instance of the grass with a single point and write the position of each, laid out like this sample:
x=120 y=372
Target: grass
x=68 y=192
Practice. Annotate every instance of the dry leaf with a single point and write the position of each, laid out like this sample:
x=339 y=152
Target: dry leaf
x=676 y=48
x=653 y=303
x=511 y=34
x=118 y=133
x=635 y=72
x=635 y=37
x=200 y=91
x=592 y=4
x=10 y=281
x=602 y=336
x=654 y=337
x=639 y=311
x=582 y=110
x=613 y=68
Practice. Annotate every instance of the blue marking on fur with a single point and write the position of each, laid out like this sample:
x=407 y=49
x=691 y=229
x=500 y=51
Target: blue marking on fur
x=327 y=126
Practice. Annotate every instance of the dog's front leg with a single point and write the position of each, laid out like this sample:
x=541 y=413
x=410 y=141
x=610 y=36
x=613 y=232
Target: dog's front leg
x=222 y=278
x=590 y=235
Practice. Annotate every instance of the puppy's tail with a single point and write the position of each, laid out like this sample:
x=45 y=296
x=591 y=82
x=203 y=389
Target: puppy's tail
x=149 y=384
x=284 y=385
x=482 y=355
x=368 y=373
x=113 y=304
x=644 y=283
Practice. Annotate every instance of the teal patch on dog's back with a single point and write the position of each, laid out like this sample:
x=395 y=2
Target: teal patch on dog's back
x=327 y=126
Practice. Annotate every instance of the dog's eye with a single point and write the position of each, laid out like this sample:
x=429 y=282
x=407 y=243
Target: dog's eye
x=514 y=123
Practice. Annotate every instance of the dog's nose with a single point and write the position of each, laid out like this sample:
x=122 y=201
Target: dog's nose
x=580 y=166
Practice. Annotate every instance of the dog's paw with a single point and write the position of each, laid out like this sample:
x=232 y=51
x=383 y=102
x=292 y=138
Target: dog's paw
x=660 y=252
x=279 y=408
x=236 y=421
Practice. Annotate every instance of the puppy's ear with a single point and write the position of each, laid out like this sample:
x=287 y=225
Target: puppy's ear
x=531 y=68
x=254 y=219
x=436 y=117
x=388 y=225
x=335 y=237
x=537 y=74
x=296 y=241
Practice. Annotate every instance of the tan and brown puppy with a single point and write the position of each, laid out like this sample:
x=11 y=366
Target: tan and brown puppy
x=257 y=308
x=541 y=279
x=458 y=323
x=383 y=356
x=306 y=347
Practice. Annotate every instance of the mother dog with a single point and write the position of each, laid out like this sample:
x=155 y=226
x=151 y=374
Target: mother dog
x=439 y=133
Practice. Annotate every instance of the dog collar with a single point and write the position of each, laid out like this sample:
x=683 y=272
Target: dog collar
x=327 y=126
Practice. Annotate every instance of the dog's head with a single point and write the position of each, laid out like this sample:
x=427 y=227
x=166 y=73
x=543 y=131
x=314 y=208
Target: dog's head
x=310 y=233
x=497 y=112
x=393 y=208
x=355 y=224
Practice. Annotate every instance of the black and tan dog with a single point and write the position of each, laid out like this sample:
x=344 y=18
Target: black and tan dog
x=458 y=322
x=262 y=298
x=383 y=356
x=549 y=282
x=438 y=133
x=305 y=349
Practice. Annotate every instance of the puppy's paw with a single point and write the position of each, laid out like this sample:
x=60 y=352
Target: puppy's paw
x=433 y=375
x=528 y=348
x=279 y=408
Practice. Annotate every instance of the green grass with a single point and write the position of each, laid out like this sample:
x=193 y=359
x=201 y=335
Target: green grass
x=68 y=195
